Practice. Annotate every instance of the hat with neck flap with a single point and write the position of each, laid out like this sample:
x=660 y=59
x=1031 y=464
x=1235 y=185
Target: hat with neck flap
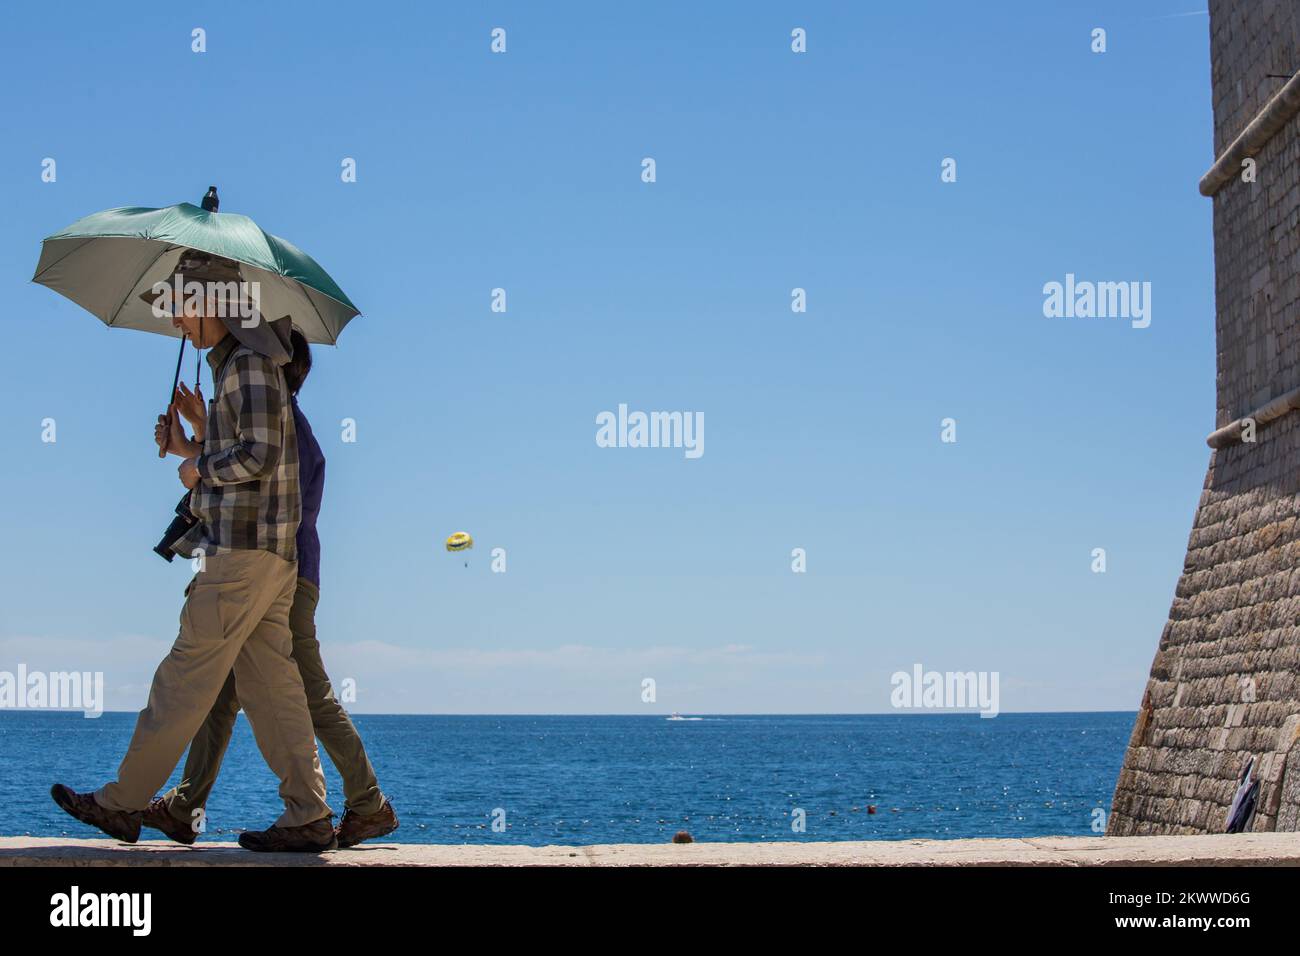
x=264 y=336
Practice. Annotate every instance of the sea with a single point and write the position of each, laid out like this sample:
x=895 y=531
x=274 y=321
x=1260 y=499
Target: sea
x=568 y=780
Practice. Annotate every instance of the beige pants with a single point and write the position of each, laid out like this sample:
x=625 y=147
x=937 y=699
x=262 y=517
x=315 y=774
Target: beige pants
x=236 y=616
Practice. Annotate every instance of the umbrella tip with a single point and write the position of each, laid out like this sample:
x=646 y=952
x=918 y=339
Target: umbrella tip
x=211 y=202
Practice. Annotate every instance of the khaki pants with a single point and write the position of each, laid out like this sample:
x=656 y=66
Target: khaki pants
x=331 y=722
x=236 y=616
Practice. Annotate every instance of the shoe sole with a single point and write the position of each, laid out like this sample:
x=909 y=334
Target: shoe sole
x=174 y=839
x=333 y=845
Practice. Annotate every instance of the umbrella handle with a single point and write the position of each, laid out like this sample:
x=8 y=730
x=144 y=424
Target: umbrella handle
x=171 y=397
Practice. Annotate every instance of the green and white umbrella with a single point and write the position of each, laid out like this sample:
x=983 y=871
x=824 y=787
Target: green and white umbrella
x=105 y=261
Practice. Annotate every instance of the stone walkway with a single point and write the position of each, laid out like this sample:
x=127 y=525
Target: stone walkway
x=1252 y=849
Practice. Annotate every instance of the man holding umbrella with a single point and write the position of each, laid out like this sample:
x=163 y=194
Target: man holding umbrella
x=245 y=497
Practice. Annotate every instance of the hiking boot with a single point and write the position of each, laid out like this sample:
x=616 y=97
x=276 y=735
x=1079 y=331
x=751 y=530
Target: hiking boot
x=309 y=838
x=356 y=827
x=118 y=824
x=156 y=816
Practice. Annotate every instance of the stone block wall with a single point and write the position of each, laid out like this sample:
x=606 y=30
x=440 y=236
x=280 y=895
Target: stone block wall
x=1225 y=682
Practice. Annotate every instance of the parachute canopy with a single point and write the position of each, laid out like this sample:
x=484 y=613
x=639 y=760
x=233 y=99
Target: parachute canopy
x=460 y=541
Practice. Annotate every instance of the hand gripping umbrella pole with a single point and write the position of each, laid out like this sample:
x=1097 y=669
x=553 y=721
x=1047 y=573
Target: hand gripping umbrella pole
x=171 y=397
x=176 y=381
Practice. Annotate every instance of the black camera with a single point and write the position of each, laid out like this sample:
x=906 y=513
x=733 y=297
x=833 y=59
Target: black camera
x=181 y=524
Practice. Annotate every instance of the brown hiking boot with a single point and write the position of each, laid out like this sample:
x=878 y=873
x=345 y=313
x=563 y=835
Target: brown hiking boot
x=355 y=827
x=118 y=824
x=156 y=816
x=309 y=838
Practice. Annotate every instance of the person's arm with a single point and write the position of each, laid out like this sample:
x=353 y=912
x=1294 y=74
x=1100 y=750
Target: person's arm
x=255 y=389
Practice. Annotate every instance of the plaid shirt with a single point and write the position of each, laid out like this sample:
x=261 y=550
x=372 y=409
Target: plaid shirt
x=247 y=498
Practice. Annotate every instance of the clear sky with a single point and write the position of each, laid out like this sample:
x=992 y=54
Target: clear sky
x=523 y=171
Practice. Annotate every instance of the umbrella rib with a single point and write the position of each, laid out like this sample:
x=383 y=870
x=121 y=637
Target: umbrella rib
x=334 y=339
x=144 y=272
x=71 y=251
x=306 y=294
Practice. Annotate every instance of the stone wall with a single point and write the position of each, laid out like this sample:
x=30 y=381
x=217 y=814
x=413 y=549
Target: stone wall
x=1225 y=683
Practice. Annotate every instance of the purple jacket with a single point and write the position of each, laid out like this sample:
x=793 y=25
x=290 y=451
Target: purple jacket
x=311 y=479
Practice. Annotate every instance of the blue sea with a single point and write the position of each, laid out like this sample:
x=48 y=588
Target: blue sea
x=640 y=779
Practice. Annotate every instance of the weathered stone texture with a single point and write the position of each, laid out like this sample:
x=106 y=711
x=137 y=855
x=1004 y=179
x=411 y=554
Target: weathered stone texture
x=1224 y=684
x=1248 y=849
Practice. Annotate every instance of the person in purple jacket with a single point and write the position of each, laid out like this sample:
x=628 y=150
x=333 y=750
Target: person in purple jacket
x=178 y=813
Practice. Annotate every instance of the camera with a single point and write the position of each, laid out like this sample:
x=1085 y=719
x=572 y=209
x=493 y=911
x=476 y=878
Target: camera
x=181 y=524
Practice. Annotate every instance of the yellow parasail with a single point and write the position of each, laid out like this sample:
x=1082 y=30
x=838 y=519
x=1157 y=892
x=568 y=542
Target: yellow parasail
x=460 y=541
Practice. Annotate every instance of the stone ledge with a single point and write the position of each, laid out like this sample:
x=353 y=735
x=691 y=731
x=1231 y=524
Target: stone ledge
x=1249 y=849
x=1277 y=112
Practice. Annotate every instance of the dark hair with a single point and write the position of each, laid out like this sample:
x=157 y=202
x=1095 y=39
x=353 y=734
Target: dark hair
x=298 y=367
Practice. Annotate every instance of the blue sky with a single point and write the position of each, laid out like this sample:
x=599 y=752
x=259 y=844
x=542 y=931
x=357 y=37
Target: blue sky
x=522 y=171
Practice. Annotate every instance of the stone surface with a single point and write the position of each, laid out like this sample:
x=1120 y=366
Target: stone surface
x=1249 y=849
x=1225 y=682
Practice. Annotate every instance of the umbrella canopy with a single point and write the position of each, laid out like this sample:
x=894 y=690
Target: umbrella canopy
x=105 y=261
